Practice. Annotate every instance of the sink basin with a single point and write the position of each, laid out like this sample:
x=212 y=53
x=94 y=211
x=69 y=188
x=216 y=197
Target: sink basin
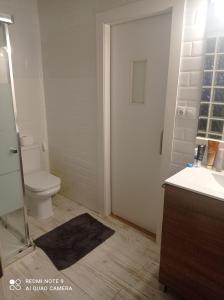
x=219 y=179
x=200 y=180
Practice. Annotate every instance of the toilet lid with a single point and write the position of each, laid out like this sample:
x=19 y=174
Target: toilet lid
x=40 y=181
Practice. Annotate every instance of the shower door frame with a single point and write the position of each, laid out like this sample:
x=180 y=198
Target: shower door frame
x=6 y=20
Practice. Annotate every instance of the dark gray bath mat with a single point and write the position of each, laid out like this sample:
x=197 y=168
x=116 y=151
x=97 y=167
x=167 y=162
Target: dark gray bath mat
x=69 y=242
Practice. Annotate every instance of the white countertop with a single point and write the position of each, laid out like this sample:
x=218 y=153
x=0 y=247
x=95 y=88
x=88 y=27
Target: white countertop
x=200 y=180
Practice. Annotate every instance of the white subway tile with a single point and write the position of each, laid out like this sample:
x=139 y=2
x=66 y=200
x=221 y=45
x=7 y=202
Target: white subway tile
x=181 y=102
x=185 y=123
x=179 y=133
x=190 y=17
x=188 y=158
x=191 y=113
x=192 y=63
x=193 y=103
x=187 y=48
x=177 y=158
x=196 y=79
x=198 y=48
x=201 y=14
x=194 y=33
x=184 y=79
x=189 y=134
x=183 y=147
x=190 y=93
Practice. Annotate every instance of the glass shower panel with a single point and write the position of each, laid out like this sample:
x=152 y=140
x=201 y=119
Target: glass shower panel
x=13 y=235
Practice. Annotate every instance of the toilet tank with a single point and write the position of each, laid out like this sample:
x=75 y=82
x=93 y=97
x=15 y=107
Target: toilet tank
x=31 y=158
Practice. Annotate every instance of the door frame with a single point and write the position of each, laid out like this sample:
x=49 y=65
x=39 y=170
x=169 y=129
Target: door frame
x=104 y=21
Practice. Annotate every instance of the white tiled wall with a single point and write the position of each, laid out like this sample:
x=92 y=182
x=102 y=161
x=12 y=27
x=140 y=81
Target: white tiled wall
x=27 y=69
x=189 y=87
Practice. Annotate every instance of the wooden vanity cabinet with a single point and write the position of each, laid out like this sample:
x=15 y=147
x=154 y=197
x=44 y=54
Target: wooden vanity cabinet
x=192 y=249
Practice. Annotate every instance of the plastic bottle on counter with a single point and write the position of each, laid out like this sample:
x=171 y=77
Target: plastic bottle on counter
x=219 y=160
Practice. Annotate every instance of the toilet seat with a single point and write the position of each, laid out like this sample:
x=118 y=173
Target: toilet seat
x=40 y=196
x=41 y=181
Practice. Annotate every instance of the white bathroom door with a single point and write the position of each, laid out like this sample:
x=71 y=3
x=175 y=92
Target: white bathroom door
x=139 y=67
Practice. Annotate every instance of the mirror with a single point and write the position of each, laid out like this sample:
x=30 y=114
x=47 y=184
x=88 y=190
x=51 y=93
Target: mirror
x=211 y=112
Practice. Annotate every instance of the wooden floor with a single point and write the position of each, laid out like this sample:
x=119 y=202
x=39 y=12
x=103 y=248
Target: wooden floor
x=123 y=267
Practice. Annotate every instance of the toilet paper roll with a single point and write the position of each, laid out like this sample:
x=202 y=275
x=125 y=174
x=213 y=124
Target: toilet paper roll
x=26 y=140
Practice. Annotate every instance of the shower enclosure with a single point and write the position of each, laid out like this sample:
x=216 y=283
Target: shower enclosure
x=14 y=233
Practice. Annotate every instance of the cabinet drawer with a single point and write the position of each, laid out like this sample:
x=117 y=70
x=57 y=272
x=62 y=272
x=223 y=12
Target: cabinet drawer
x=180 y=199
x=203 y=231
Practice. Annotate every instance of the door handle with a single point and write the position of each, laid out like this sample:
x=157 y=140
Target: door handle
x=13 y=150
x=161 y=143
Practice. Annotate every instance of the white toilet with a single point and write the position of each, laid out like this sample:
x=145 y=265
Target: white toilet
x=40 y=185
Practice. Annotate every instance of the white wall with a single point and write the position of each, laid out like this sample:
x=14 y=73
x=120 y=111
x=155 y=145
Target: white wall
x=189 y=90
x=27 y=67
x=69 y=58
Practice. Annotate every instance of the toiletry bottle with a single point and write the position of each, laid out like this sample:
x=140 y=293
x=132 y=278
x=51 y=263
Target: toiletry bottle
x=195 y=157
x=219 y=160
x=200 y=154
x=212 y=150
